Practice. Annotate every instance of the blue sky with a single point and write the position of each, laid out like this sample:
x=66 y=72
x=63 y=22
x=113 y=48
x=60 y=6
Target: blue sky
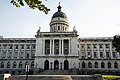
x=92 y=18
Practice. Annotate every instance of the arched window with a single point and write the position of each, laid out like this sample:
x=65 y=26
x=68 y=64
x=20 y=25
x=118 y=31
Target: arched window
x=2 y=64
x=14 y=64
x=89 y=65
x=102 y=65
x=46 y=65
x=115 y=65
x=83 y=65
x=8 y=65
x=20 y=64
x=109 y=65
x=96 y=65
x=26 y=63
x=66 y=65
x=32 y=64
x=56 y=64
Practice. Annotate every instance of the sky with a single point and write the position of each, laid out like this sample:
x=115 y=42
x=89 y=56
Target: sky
x=91 y=18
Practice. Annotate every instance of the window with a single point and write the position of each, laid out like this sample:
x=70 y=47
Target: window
x=32 y=64
x=15 y=55
x=83 y=65
x=95 y=55
x=94 y=46
x=22 y=46
x=9 y=55
x=82 y=46
x=100 y=46
x=107 y=54
x=2 y=64
x=8 y=65
x=20 y=64
x=27 y=55
x=109 y=65
x=115 y=65
x=28 y=46
x=16 y=46
x=3 y=55
x=107 y=45
x=26 y=63
x=33 y=46
x=10 y=46
x=101 y=54
x=88 y=46
x=89 y=65
x=21 y=54
x=96 y=65
x=58 y=27
x=114 y=55
x=4 y=46
x=102 y=65
x=14 y=64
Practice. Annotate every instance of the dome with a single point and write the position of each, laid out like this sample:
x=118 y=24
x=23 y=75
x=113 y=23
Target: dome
x=59 y=13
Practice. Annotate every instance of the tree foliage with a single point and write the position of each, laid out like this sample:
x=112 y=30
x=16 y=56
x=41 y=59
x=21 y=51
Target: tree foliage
x=116 y=42
x=34 y=4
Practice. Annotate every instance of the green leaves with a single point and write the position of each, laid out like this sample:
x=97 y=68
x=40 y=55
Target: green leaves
x=116 y=42
x=34 y=4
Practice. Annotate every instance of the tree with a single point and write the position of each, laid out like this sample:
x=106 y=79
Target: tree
x=116 y=42
x=34 y=4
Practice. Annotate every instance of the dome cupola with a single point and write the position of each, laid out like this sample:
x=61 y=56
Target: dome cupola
x=59 y=22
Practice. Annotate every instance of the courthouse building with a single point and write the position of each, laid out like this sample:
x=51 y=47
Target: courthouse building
x=59 y=49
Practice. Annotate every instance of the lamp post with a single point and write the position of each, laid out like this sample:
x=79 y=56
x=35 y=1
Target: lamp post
x=27 y=70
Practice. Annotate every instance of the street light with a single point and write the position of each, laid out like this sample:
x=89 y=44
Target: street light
x=27 y=70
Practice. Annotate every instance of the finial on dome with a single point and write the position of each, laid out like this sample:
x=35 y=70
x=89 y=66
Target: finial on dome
x=59 y=7
x=59 y=3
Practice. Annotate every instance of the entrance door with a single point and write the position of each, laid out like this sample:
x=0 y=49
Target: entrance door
x=66 y=65
x=56 y=65
x=46 y=65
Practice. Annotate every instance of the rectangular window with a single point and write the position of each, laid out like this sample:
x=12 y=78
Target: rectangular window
x=4 y=46
x=10 y=47
x=16 y=46
x=22 y=46
x=114 y=55
x=107 y=45
x=101 y=55
x=100 y=46
x=9 y=55
x=95 y=55
x=94 y=46
x=107 y=54
x=15 y=55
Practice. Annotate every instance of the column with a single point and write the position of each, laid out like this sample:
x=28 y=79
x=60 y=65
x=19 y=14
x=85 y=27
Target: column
x=53 y=46
x=62 y=46
x=43 y=46
x=69 y=46
x=98 y=51
x=92 y=51
x=86 y=55
x=50 y=46
x=104 y=51
x=19 y=50
x=59 y=46
x=111 y=56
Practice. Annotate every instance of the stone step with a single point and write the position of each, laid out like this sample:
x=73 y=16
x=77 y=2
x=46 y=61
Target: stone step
x=54 y=72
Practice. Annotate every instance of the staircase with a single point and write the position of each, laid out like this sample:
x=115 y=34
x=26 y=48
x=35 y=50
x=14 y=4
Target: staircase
x=54 y=72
